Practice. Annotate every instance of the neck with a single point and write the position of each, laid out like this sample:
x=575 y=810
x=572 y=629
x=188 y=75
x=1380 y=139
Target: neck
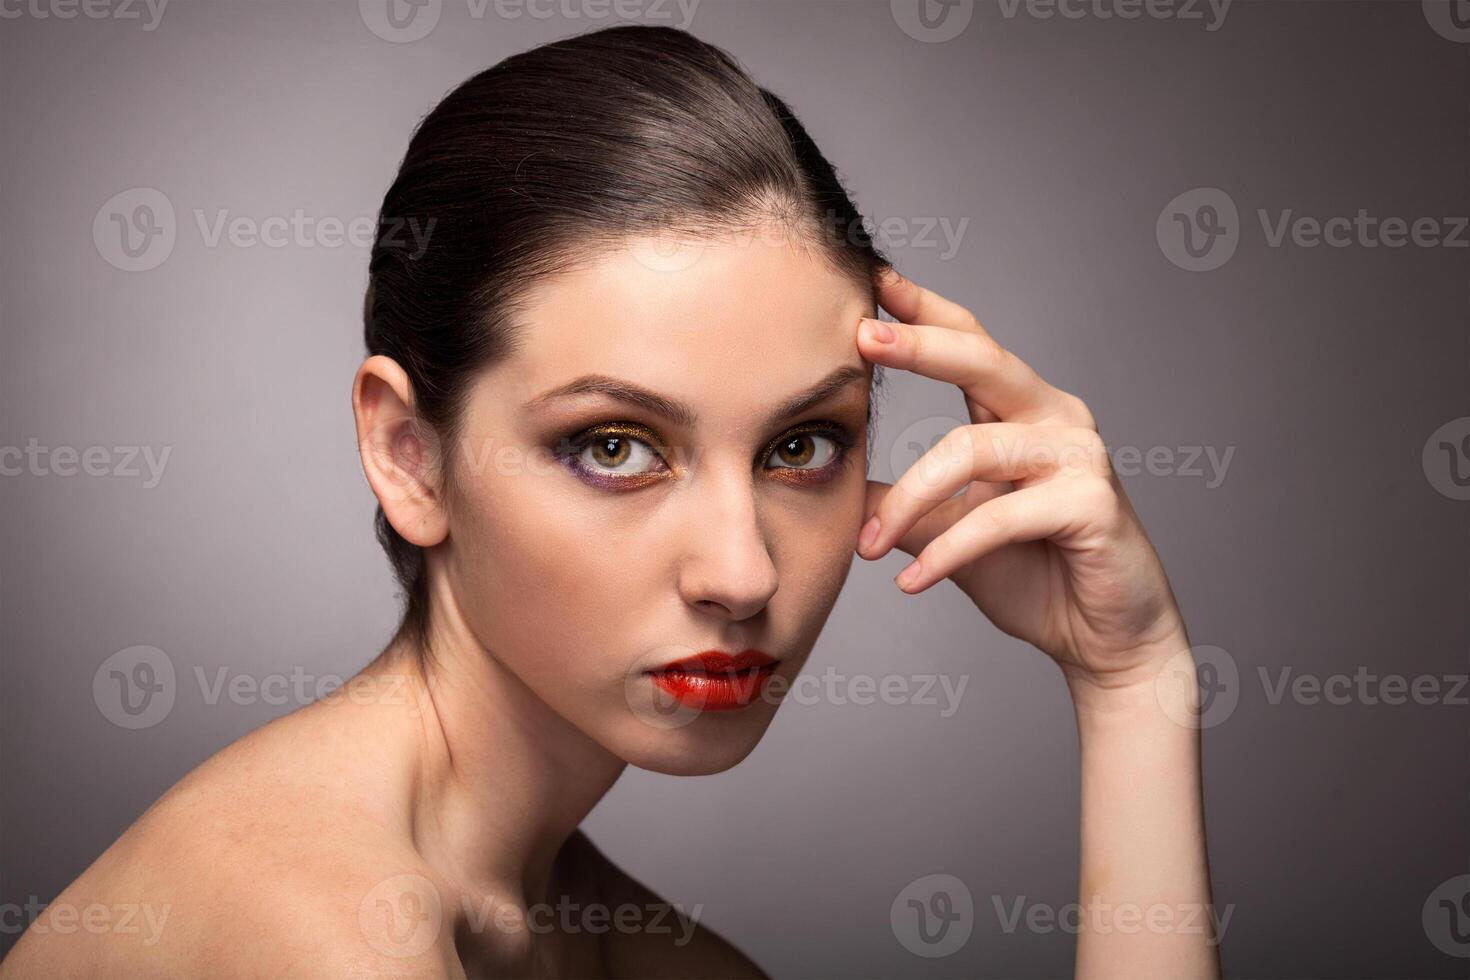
x=498 y=779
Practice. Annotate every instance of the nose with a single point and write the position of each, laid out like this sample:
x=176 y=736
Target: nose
x=726 y=568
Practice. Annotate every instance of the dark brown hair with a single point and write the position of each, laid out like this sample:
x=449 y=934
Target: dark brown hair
x=548 y=156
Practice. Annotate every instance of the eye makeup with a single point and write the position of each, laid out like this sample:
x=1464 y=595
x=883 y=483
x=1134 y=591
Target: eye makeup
x=806 y=454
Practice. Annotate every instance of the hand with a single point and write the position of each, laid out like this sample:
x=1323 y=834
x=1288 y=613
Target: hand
x=1043 y=538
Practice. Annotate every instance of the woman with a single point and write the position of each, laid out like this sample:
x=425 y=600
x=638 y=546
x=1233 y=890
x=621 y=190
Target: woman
x=615 y=413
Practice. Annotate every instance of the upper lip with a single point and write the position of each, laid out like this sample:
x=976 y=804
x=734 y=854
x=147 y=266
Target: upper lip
x=718 y=661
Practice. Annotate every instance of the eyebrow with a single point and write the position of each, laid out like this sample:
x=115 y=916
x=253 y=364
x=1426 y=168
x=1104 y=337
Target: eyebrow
x=681 y=413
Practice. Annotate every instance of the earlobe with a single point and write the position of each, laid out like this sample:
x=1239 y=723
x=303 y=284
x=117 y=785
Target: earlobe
x=400 y=452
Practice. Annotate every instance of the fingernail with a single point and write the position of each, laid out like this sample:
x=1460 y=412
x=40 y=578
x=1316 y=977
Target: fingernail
x=880 y=331
x=909 y=575
x=869 y=534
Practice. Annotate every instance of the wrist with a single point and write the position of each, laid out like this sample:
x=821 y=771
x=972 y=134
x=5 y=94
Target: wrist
x=1160 y=685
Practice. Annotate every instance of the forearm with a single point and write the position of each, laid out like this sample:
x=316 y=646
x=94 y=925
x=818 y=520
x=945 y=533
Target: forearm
x=1144 y=883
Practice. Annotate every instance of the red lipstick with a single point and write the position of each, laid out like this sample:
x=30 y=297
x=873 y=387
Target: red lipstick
x=716 y=681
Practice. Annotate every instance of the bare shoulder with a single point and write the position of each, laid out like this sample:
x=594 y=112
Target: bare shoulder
x=229 y=875
x=655 y=939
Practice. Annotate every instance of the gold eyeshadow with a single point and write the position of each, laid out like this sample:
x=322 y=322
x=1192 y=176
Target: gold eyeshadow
x=569 y=448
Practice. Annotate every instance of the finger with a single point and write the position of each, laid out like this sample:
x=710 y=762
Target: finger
x=932 y=524
x=912 y=303
x=990 y=376
x=991 y=452
x=1046 y=510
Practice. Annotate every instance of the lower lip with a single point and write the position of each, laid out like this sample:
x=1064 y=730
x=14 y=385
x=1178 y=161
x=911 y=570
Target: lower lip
x=715 y=691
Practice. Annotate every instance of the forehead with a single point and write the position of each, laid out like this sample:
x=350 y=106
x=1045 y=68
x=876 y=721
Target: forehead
x=755 y=314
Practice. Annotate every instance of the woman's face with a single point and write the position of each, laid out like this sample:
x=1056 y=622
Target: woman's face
x=594 y=537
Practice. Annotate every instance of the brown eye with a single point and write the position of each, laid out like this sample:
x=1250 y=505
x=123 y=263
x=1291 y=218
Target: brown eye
x=610 y=451
x=804 y=451
x=614 y=452
x=619 y=455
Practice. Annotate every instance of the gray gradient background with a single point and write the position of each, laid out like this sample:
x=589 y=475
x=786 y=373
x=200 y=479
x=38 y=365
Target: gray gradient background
x=1325 y=548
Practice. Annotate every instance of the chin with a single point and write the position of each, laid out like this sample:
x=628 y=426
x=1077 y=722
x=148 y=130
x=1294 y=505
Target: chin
x=711 y=743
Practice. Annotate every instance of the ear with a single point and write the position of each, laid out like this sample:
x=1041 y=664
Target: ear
x=400 y=452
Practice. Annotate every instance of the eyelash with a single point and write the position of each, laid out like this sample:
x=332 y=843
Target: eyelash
x=571 y=447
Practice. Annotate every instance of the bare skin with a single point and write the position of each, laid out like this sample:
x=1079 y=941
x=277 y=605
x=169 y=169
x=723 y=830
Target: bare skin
x=271 y=860
x=416 y=827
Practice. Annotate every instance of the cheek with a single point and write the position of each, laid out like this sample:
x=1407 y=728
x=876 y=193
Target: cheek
x=544 y=589
x=817 y=536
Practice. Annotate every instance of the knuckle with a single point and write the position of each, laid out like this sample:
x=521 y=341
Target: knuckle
x=1078 y=410
x=1093 y=448
x=957 y=447
x=1097 y=497
x=987 y=351
x=992 y=518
